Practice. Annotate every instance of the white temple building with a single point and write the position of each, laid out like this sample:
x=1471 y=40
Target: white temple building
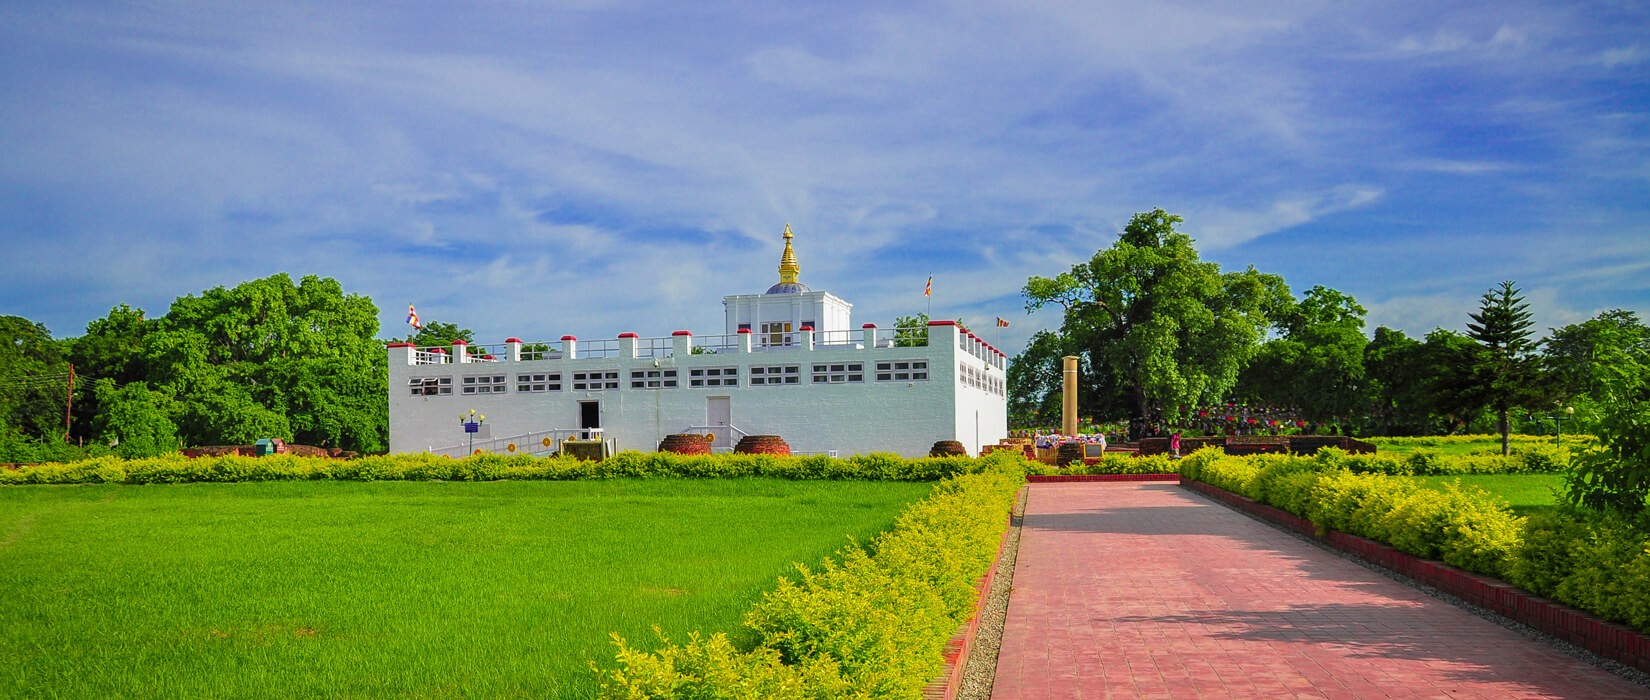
x=789 y=362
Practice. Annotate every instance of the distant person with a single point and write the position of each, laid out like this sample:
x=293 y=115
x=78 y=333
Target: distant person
x=1174 y=444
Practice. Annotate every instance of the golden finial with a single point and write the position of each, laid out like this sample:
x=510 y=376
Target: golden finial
x=788 y=269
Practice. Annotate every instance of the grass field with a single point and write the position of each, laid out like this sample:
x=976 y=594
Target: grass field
x=1526 y=493
x=1463 y=445
x=390 y=589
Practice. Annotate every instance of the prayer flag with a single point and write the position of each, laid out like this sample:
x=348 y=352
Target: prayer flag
x=1002 y=322
x=412 y=318
x=928 y=291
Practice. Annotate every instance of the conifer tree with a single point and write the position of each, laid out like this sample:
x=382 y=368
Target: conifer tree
x=1502 y=369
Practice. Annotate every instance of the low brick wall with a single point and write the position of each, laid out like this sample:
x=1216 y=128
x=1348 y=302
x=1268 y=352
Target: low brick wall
x=1066 y=478
x=1607 y=639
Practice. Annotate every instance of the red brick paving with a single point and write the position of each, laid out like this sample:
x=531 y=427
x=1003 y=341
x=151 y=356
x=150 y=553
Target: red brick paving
x=1141 y=590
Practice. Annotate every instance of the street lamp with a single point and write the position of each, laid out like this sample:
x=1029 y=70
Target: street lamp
x=1558 y=420
x=472 y=425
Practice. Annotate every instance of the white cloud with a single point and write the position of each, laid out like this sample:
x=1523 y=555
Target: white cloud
x=1221 y=228
x=1623 y=56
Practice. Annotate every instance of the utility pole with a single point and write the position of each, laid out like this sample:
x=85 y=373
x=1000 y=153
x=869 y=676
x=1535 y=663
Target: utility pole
x=68 y=407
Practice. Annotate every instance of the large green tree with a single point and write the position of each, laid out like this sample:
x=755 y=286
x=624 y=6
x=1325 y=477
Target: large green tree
x=1570 y=354
x=1172 y=329
x=1502 y=371
x=1396 y=368
x=1615 y=475
x=266 y=358
x=1316 y=365
x=34 y=379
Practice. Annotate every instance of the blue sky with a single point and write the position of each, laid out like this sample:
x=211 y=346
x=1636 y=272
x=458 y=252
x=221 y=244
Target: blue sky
x=595 y=167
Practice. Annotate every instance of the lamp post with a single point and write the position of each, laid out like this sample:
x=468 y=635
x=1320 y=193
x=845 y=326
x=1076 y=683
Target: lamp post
x=472 y=425
x=1558 y=420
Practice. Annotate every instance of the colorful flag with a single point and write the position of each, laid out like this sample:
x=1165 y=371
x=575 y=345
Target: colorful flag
x=412 y=318
x=928 y=291
x=1002 y=322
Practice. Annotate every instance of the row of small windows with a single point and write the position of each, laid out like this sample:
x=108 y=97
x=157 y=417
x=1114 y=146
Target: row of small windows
x=765 y=375
x=903 y=371
x=982 y=380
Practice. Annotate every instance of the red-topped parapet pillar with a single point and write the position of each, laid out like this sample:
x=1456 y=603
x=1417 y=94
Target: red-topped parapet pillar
x=512 y=349
x=402 y=353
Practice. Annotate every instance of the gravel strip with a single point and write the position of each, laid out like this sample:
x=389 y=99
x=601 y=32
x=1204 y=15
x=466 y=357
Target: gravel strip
x=1629 y=673
x=981 y=670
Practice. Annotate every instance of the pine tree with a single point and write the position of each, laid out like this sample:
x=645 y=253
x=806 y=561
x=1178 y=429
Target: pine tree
x=1503 y=369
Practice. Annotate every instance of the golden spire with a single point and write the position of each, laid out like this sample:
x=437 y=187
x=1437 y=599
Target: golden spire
x=788 y=269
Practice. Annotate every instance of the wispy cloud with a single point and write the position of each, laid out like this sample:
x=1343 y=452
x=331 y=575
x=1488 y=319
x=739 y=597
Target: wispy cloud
x=598 y=167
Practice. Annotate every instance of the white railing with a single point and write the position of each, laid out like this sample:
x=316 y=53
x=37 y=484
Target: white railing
x=716 y=344
x=598 y=348
x=534 y=443
x=773 y=341
x=499 y=352
x=854 y=338
x=909 y=337
x=902 y=337
x=726 y=435
x=533 y=352
x=655 y=347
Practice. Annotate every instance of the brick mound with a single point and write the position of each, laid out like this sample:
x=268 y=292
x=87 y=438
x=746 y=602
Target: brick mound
x=685 y=444
x=948 y=448
x=763 y=444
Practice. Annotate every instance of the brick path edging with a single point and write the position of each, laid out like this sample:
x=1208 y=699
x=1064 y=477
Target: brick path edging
x=1067 y=478
x=950 y=680
x=1607 y=639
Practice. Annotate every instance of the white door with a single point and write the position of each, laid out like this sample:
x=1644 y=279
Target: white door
x=718 y=415
x=718 y=410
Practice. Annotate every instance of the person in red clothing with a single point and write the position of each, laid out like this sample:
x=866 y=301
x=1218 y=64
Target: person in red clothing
x=1174 y=444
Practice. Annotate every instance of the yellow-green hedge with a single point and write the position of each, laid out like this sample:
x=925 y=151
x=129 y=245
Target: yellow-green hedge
x=871 y=622
x=175 y=468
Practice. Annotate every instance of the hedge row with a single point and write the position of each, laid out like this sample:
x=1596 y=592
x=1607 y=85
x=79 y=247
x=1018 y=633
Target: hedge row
x=174 y=468
x=871 y=622
x=1529 y=459
x=1590 y=561
x=1441 y=440
x=1113 y=464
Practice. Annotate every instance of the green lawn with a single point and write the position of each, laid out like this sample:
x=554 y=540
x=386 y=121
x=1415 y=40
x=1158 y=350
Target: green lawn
x=1483 y=444
x=389 y=589
x=1526 y=493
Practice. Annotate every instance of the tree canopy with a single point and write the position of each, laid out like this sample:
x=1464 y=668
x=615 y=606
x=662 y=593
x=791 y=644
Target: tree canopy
x=1162 y=330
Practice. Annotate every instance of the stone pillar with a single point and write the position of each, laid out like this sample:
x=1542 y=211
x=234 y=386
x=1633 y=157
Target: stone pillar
x=627 y=345
x=569 y=347
x=1068 y=407
x=870 y=332
x=681 y=343
x=745 y=340
x=807 y=340
x=461 y=351
x=512 y=349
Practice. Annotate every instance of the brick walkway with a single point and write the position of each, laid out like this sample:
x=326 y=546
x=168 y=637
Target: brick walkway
x=1133 y=590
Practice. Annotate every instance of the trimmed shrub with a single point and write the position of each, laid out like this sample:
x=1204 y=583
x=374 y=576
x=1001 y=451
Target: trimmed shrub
x=175 y=468
x=870 y=622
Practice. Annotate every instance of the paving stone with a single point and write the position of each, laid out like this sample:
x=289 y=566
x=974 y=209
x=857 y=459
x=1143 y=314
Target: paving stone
x=1146 y=590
